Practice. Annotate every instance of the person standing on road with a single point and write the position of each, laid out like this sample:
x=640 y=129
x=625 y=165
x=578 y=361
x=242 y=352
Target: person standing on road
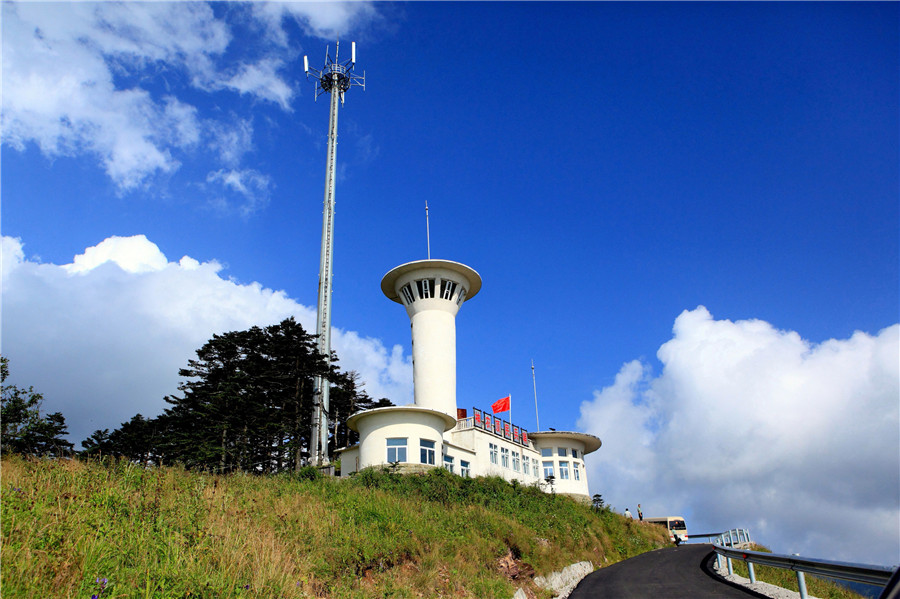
x=640 y=513
x=628 y=514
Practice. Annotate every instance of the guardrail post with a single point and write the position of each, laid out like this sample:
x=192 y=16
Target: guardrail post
x=752 y=573
x=801 y=582
x=719 y=561
x=730 y=567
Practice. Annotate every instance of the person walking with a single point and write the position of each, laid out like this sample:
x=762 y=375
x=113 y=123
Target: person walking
x=640 y=513
x=628 y=514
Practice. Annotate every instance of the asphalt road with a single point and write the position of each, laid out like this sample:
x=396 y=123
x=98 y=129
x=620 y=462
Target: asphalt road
x=683 y=572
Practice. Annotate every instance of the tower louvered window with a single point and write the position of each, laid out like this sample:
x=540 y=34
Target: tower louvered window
x=406 y=292
x=426 y=288
x=447 y=289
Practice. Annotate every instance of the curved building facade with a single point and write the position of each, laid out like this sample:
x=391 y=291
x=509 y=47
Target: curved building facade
x=433 y=432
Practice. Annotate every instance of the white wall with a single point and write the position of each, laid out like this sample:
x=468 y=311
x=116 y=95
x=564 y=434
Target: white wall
x=478 y=443
x=377 y=426
x=568 y=485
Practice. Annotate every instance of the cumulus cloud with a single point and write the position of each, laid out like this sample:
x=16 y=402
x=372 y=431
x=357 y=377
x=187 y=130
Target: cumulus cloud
x=103 y=337
x=750 y=426
x=77 y=78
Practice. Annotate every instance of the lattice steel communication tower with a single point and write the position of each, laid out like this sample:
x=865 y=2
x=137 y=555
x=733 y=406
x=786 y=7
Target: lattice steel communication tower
x=335 y=78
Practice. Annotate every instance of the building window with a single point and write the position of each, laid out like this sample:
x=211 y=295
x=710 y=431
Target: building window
x=564 y=470
x=562 y=452
x=426 y=451
x=576 y=471
x=448 y=463
x=574 y=453
x=462 y=296
x=464 y=469
x=406 y=292
x=493 y=448
x=546 y=452
x=504 y=457
x=548 y=469
x=515 y=455
x=426 y=288
x=534 y=466
x=396 y=450
x=447 y=289
x=525 y=462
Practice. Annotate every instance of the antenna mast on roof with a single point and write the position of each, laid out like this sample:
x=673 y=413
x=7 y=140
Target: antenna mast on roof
x=427 y=230
x=537 y=420
x=334 y=78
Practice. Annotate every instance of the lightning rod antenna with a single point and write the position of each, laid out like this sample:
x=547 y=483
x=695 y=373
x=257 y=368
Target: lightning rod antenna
x=427 y=230
x=335 y=78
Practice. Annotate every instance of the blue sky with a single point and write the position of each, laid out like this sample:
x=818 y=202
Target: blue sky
x=685 y=214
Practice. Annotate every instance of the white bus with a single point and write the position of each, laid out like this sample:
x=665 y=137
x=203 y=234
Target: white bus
x=675 y=525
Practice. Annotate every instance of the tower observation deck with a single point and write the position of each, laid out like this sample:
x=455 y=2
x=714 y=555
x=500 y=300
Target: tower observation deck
x=432 y=292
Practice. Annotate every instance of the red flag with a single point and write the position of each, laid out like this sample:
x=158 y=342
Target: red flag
x=501 y=405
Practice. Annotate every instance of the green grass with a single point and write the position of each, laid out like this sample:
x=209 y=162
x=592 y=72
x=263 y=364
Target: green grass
x=171 y=533
x=816 y=587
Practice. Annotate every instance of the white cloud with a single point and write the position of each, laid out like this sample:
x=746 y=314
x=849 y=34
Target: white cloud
x=262 y=80
x=751 y=426
x=59 y=69
x=326 y=20
x=231 y=141
x=76 y=78
x=252 y=185
x=103 y=337
x=132 y=254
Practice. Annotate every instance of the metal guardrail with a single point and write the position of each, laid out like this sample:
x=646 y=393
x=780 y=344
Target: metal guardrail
x=877 y=575
x=736 y=537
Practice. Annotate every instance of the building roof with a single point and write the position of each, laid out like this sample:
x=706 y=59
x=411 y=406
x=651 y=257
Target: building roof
x=389 y=280
x=591 y=442
x=449 y=421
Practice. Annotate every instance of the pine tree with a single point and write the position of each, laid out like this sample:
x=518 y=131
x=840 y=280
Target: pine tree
x=24 y=430
x=246 y=404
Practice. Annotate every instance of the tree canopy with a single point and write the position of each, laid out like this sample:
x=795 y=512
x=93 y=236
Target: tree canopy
x=246 y=404
x=24 y=429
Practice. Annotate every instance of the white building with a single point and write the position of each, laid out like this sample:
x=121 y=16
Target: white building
x=432 y=432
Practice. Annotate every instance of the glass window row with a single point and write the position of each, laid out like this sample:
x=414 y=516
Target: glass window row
x=397 y=452
x=520 y=463
x=563 y=452
x=430 y=288
x=564 y=470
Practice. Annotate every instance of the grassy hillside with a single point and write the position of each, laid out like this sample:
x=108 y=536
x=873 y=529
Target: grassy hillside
x=68 y=526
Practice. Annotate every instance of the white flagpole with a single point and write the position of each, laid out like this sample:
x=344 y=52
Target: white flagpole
x=510 y=413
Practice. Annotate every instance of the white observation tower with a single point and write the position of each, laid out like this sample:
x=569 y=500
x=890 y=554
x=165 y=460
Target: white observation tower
x=433 y=291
